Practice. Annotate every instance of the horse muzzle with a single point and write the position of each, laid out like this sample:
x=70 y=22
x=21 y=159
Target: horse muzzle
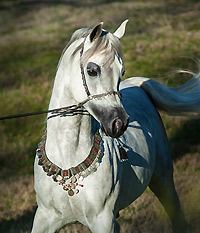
x=114 y=122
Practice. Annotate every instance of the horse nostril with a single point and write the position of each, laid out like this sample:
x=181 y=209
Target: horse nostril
x=117 y=125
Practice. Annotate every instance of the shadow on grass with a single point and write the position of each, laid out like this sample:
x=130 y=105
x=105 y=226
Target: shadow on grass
x=21 y=224
x=79 y=3
x=75 y=3
x=186 y=139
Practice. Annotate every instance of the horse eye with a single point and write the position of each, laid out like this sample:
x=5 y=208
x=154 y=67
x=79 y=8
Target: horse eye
x=93 y=69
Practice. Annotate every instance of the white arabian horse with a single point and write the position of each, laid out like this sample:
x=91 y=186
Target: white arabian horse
x=101 y=154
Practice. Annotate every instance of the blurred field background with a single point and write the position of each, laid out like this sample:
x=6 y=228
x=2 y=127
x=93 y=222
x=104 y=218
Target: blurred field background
x=161 y=36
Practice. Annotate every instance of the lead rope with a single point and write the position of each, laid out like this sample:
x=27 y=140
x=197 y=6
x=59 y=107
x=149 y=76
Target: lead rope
x=72 y=109
x=64 y=111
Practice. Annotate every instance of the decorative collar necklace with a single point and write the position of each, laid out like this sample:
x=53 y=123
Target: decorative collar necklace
x=69 y=178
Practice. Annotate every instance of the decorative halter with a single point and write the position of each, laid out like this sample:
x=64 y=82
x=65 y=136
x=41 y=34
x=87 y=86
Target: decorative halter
x=83 y=75
x=90 y=97
x=69 y=178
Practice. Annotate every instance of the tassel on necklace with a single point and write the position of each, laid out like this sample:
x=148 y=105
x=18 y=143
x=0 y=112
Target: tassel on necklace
x=122 y=152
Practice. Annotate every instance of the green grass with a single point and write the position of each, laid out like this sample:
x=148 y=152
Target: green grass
x=161 y=36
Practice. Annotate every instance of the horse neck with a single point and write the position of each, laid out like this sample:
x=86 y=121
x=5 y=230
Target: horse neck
x=70 y=138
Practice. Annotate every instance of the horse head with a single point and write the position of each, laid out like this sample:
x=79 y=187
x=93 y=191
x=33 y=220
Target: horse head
x=99 y=57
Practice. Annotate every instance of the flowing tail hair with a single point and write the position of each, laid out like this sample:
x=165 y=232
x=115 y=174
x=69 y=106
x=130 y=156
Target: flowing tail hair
x=180 y=101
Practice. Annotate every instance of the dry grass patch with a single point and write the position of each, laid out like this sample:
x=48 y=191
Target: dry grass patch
x=17 y=195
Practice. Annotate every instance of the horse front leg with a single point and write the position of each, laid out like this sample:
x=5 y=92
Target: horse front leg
x=46 y=221
x=105 y=222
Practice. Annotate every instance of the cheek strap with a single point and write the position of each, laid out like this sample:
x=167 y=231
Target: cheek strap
x=83 y=75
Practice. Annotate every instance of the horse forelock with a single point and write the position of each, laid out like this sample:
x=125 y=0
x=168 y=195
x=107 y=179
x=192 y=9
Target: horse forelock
x=107 y=45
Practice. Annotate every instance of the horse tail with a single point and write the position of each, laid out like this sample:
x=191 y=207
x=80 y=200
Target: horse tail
x=180 y=101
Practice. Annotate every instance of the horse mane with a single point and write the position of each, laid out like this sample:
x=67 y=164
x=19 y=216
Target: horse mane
x=107 y=44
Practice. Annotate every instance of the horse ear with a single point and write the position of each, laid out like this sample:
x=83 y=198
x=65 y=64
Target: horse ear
x=121 y=30
x=96 y=32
